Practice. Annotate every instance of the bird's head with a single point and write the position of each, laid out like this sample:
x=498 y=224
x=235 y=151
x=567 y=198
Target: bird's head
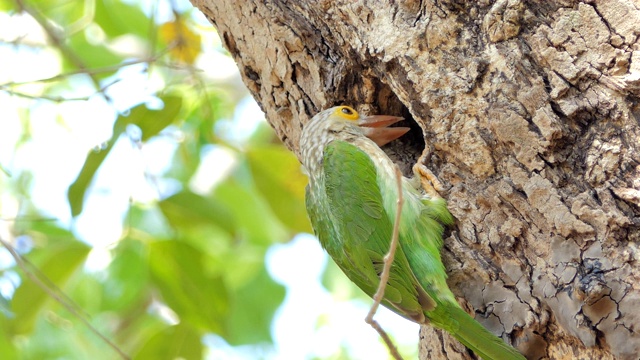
x=343 y=123
x=345 y=120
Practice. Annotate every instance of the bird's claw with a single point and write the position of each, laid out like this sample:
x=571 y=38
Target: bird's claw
x=430 y=183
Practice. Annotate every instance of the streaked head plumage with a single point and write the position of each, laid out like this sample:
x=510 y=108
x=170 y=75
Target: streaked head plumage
x=346 y=124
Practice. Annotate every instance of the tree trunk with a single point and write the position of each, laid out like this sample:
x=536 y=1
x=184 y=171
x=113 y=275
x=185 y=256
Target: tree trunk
x=530 y=114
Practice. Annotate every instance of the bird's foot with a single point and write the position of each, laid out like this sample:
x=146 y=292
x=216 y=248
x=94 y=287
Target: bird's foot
x=430 y=183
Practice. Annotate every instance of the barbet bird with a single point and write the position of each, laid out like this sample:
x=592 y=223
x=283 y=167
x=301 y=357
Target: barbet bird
x=351 y=201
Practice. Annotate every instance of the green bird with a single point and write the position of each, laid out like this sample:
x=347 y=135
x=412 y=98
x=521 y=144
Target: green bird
x=351 y=201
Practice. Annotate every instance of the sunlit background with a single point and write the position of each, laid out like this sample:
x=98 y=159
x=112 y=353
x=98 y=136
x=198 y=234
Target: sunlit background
x=148 y=198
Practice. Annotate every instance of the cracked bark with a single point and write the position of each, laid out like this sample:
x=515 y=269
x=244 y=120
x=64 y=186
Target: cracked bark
x=530 y=112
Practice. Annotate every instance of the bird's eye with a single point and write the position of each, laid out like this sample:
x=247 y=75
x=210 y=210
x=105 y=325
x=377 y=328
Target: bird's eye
x=347 y=113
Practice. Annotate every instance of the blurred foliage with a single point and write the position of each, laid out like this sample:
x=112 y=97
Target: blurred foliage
x=189 y=264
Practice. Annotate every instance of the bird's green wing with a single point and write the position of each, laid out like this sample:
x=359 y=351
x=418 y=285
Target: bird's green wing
x=347 y=213
x=352 y=225
x=421 y=241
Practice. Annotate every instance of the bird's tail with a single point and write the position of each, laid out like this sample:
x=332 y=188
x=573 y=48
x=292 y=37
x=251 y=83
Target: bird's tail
x=473 y=335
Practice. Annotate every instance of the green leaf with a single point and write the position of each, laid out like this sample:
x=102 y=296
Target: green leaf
x=175 y=342
x=186 y=209
x=117 y=18
x=7 y=6
x=57 y=262
x=92 y=55
x=128 y=276
x=277 y=175
x=252 y=310
x=255 y=219
x=86 y=291
x=148 y=221
x=77 y=190
x=150 y=121
x=63 y=13
x=7 y=348
x=140 y=326
x=197 y=297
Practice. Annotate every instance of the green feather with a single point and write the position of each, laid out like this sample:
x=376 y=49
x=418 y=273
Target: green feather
x=351 y=209
x=358 y=239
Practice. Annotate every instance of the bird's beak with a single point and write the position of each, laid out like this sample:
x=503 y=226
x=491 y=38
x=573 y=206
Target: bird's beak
x=375 y=128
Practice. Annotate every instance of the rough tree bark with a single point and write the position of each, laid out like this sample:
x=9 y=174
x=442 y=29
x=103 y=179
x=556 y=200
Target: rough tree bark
x=530 y=112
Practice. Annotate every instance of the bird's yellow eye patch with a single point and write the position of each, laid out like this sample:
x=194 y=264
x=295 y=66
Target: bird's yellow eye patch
x=346 y=113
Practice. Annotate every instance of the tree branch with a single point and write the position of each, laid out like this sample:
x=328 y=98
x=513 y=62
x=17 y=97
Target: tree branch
x=58 y=296
x=384 y=277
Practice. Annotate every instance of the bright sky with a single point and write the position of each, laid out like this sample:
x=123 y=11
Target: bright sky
x=57 y=151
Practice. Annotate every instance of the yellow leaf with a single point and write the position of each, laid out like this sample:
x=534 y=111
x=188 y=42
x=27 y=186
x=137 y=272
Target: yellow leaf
x=185 y=44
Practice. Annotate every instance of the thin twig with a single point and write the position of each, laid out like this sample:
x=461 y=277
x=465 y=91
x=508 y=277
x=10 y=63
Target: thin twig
x=67 y=303
x=94 y=71
x=28 y=218
x=384 y=277
x=59 y=42
x=4 y=171
x=58 y=99
x=55 y=99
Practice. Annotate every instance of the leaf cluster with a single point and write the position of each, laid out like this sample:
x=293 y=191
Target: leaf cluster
x=188 y=263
